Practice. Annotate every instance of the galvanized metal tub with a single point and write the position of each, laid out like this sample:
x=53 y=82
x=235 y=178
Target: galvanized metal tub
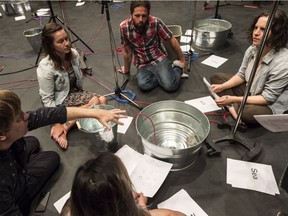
x=34 y=38
x=104 y=140
x=178 y=134
x=210 y=34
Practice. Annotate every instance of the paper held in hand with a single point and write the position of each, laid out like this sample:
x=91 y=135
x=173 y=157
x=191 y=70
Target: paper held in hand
x=213 y=94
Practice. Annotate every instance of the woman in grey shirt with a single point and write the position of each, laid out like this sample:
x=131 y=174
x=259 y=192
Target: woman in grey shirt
x=59 y=78
x=269 y=92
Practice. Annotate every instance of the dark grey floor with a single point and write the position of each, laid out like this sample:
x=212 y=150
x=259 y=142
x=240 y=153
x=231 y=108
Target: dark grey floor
x=205 y=180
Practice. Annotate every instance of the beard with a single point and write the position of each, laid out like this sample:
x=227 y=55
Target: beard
x=140 y=27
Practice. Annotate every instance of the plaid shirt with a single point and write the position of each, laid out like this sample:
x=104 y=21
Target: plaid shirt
x=147 y=47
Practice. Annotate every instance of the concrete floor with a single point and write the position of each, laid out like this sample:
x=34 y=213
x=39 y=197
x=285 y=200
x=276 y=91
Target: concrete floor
x=205 y=180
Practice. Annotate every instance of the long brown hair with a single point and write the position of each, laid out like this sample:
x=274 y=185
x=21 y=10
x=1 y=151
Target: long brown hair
x=10 y=106
x=102 y=187
x=279 y=30
x=48 y=40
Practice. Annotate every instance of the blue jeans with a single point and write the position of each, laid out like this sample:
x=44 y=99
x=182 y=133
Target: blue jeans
x=162 y=74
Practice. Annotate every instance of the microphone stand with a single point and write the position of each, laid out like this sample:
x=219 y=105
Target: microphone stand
x=118 y=91
x=190 y=52
x=253 y=147
x=53 y=18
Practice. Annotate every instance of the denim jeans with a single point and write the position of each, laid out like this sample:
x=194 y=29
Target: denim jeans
x=162 y=74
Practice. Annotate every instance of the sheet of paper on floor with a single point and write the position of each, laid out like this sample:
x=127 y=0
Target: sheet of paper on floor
x=214 y=61
x=123 y=128
x=252 y=176
x=181 y=201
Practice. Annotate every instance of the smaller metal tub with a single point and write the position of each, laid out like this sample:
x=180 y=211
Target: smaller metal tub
x=210 y=34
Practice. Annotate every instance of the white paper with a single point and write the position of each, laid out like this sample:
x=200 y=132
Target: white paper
x=123 y=128
x=204 y=104
x=42 y=13
x=181 y=201
x=79 y=3
x=214 y=95
x=252 y=176
x=273 y=123
x=147 y=174
x=185 y=39
x=61 y=202
x=188 y=32
x=129 y=157
x=214 y=61
x=20 y=18
x=43 y=10
x=186 y=48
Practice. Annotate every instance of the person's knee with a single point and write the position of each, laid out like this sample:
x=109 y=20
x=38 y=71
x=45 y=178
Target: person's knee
x=33 y=143
x=145 y=86
x=102 y=100
x=218 y=78
x=94 y=100
x=170 y=85
x=54 y=159
x=171 y=88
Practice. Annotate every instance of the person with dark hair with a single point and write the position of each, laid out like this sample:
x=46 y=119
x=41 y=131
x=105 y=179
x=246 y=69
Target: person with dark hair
x=141 y=36
x=59 y=78
x=102 y=186
x=24 y=168
x=269 y=89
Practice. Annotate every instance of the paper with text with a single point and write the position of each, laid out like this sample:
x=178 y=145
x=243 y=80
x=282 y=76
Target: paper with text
x=214 y=61
x=273 y=123
x=148 y=173
x=181 y=201
x=252 y=176
x=129 y=157
x=204 y=104
x=185 y=39
x=213 y=94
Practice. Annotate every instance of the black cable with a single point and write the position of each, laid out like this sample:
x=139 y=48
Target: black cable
x=3 y=74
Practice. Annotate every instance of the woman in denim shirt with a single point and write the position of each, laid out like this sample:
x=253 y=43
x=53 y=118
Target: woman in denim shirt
x=59 y=78
x=269 y=90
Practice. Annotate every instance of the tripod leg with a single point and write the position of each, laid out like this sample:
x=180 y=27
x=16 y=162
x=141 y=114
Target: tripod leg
x=135 y=104
x=38 y=56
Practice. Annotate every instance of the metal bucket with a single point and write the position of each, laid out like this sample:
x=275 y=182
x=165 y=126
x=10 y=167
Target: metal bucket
x=210 y=34
x=16 y=7
x=179 y=133
x=105 y=140
x=34 y=38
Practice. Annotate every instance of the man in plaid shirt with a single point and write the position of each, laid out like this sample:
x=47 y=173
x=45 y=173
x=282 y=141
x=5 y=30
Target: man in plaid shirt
x=141 y=35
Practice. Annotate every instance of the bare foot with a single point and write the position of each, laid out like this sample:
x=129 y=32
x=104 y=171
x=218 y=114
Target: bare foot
x=62 y=141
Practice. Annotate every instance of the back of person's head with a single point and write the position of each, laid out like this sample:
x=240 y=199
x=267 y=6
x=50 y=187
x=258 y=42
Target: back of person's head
x=10 y=106
x=102 y=187
x=145 y=4
x=279 y=29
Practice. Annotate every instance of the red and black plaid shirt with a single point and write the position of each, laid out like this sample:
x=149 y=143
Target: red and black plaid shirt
x=147 y=47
